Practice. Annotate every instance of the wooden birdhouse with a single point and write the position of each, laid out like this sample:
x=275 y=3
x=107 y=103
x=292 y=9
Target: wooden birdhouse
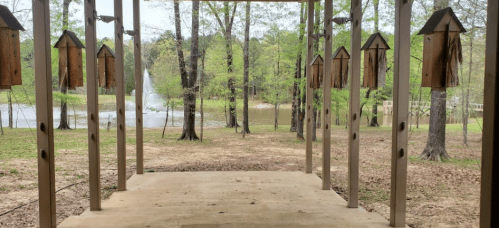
x=317 y=71
x=107 y=74
x=339 y=72
x=442 y=51
x=70 y=60
x=374 y=61
x=10 y=48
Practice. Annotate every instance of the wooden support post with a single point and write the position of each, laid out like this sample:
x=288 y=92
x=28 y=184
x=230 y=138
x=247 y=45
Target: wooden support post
x=326 y=91
x=309 y=90
x=120 y=93
x=92 y=106
x=44 y=114
x=400 y=112
x=354 y=105
x=138 y=87
x=489 y=207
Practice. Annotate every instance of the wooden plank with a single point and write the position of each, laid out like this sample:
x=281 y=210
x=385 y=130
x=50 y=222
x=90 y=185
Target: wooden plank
x=138 y=87
x=401 y=74
x=344 y=72
x=63 y=61
x=5 y=76
x=92 y=106
x=367 y=73
x=309 y=89
x=110 y=75
x=102 y=71
x=75 y=67
x=354 y=105
x=326 y=91
x=120 y=94
x=15 y=61
x=44 y=114
x=489 y=208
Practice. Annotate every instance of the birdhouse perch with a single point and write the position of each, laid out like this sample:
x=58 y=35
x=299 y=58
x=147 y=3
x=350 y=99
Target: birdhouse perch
x=317 y=71
x=70 y=60
x=10 y=48
x=374 y=61
x=339 y=73
x=107 y=74
x=442 y=51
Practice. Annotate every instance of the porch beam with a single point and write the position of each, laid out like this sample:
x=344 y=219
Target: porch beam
x=92 y=106
x=44 y=114
x=326 y=91
x=490 y=174
x=120 y=94
x=354 y=105
x=400 y=112
x=309 y=89
x=139 y=131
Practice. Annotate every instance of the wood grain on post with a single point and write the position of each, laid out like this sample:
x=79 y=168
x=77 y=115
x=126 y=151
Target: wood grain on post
x=488 y=200
x=92 y=106
x=401 y=75
x=120 y=94
x=44 y=114
x=354 y=105
x=138 y=87
x=309 y=89
x=326 y=110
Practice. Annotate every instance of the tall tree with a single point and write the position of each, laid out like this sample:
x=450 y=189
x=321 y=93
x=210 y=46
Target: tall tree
x=374 y=119
x=300 y=98
x=226 y=29
x=188 y=79
x=64 y=124
x=246 y=70
x=435 y=145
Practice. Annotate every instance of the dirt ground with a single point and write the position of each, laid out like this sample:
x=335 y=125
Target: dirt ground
x=442 y=194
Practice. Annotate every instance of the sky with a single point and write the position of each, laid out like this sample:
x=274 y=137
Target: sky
x=157 y=16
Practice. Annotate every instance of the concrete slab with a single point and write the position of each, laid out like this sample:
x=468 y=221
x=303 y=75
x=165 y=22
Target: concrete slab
x=226 y=199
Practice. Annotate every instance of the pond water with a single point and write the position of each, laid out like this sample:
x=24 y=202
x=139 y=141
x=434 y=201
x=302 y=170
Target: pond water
x=24 y=116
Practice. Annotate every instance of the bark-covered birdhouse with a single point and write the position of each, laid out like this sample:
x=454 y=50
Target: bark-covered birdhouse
x=70 y=60
x=374 y=61
x=317 y=71
x=442 y=51
x=339 y=72
x=10 y=48
x=107 y=74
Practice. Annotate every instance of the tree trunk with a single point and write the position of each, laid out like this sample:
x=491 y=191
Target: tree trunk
x=201 y=89
x=374 y=119
x=300 y=107
x=246 y=70
x=11 y=118
x=188 y=81
x=435 y=145
x=64 y=124
x=166 y=121
x=276 y=113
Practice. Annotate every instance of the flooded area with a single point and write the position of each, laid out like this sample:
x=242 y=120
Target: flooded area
x=24 y=116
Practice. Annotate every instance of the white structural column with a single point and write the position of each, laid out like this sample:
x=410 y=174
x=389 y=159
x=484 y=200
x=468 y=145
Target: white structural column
x=400 y=112
x=120 y=94
x=93 y=106
x=489 y=203
x=137 y=48
x=354 y=105
x=44 y=114
x=309 y=89
x=326 y=89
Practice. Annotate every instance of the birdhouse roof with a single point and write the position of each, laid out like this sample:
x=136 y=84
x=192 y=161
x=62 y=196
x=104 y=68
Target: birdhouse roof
x=72 y=36
x=7 y=19
x=317 y=60
x=105 y=49
x=371 y=40
x=341 y=51
x=439 y=20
